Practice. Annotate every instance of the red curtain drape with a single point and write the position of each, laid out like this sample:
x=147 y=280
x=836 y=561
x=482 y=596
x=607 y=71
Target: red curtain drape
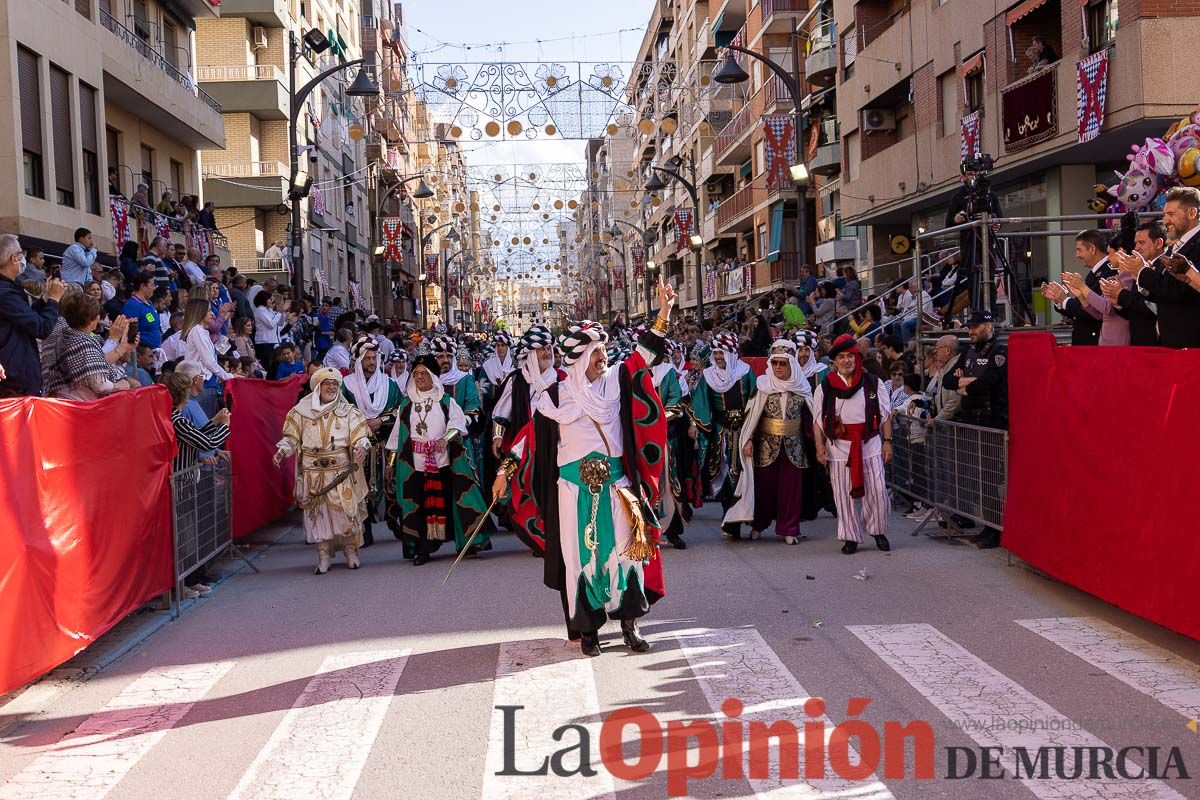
x=1102 y=472
x=85 y=522
x=262 y=492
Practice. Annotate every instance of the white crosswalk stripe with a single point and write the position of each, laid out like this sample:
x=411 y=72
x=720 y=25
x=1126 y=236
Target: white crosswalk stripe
x=87 y=764
x=554 y=684
x=738 y=663
x=319 y=749
x=1150 y=669
x=994 y=710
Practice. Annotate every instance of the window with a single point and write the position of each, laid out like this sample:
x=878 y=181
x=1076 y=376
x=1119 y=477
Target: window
x=148 y=172
x=141 y=19
x=90 y=145
x=849 y=51
x=31 y=121
x=177 y=178
x=60 y=112
x=112 y=148
x=948 y=94
x=762 y=241
x=1101 y=24
x=169 y=44
x=84 y=7
x=853 y=155
x=974 y=83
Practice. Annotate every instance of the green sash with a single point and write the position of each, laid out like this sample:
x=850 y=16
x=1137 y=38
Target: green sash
x=598 y=594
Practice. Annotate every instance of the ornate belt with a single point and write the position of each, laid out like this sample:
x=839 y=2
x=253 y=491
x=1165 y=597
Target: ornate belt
x=325 y=460
x=779 y=427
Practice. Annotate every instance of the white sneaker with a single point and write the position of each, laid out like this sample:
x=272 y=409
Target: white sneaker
x=920 y=516
x=188 y=593
x=203 y=589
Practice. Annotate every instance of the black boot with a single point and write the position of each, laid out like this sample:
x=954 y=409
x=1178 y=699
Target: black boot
x=676 y=541
x=633 y=640
x=988 y=540
x=368 y=538
x=732 y=531
x=589 y=643
x=420 y=558
x=882 y=542
x=850 y=548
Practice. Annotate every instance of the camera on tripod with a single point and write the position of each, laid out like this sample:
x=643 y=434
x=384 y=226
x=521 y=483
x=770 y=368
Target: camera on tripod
x=979 y=167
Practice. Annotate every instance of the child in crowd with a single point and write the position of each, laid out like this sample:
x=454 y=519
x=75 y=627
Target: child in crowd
x=288 y=362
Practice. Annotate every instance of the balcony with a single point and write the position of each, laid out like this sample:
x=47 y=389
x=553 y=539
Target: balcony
x=257 y=89
x=737 y=213
x=268 y=13
x=144 y=82
x=828 y=159
x=733 y=142
x=773 y=12
x=820 y=68
x=786 y=268
x=254 y=184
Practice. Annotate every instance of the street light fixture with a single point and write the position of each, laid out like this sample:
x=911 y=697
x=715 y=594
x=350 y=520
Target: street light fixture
x=730 y=72
x=799 y=172
x=655 y=184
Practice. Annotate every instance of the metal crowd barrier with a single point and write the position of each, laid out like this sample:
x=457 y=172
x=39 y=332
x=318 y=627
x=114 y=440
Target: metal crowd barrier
x=955 y=468
x=202 y=506
x=375 y=468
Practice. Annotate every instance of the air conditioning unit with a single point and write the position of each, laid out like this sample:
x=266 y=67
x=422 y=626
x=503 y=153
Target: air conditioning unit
x=878 y=119
x=259 y=38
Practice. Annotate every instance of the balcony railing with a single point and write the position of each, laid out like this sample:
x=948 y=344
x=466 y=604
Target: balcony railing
x=240 y=72
x=785 y=268
x=251 y=169
x=742 y=121
x=770 y=7
x=739 y=203
x=177 y=225
x=157 y=59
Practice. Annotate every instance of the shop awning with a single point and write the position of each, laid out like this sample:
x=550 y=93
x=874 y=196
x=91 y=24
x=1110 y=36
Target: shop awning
x=1023 y=10
x=972 y=65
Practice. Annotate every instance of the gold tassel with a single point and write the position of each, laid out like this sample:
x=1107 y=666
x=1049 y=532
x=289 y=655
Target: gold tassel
x=641 y=546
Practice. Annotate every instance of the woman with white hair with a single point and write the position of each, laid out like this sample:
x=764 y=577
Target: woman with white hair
x=330 y=438
x=603 y=555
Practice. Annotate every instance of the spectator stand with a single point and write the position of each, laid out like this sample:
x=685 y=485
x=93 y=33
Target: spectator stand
x=202 y=516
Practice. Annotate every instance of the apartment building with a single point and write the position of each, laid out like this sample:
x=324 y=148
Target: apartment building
x=244 y=62
x=99 y=87
x=910 y=73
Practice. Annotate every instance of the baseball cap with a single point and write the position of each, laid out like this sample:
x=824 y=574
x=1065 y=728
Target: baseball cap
x=979 y=317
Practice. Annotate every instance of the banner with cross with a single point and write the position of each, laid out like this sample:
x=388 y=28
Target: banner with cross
x=638 y=254
x=779 y=149
x=969 y=128
x=392 y=227
x=119 y=209
x=431 y=267
x=683 y=228
x=1092 y=83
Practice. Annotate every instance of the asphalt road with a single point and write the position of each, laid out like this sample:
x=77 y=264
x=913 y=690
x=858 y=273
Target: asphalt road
x=382 y=683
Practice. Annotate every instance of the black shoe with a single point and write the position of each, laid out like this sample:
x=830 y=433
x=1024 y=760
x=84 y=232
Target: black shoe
x=988 y=540
x=882 y=542
x=677 y=542
x=537 y=554
x=850 y=548
x=633 y=639
x=589 y=643
x=420 y=558
x=732 y=531
x=368 y=538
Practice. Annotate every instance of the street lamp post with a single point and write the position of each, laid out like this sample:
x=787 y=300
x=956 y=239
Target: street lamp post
x=424 y=240
x=422 y=192
x=731 y=72
x=624 y=282
x=362 y=86
x=654 y=184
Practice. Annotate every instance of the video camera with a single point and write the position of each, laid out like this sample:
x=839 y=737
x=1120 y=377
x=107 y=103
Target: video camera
x=979 y=166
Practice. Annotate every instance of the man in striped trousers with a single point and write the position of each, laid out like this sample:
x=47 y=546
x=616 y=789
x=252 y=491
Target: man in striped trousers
x=853 y=429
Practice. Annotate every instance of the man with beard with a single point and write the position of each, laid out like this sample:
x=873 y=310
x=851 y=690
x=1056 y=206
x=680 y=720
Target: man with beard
x=771 y=447
x=330 y=440
x=377 y=397
x=853 y=430
x=435 y=487
x=463 y=389
x=535 y=374
x=717 y=410
x=673 y=390
x=607 y=428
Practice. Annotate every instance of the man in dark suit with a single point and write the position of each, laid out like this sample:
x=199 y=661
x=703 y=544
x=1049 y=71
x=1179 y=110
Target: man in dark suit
x=1173 y=284
x=1149 y=241
x=1090 y=247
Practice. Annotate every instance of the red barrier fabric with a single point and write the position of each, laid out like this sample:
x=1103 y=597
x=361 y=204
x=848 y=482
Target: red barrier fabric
x=757 y=364
x=85 y=522
x=262 y=492
x=1102 y=470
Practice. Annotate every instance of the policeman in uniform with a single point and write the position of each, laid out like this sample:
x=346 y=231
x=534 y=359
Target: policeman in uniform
x=983 y=384
x=983 y=379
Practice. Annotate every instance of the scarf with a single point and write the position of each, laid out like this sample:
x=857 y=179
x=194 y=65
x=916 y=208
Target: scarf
x=496 y=370
x=812 y=366
x=370 y=395
x=578 y=397
x=434 y=393
x=452 y=377
x=722 y=380
x=797 y=383
x=538 y=380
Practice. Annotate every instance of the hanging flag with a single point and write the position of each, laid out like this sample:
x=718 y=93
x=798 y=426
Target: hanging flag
x=392 y=229
x=119 y=209
x=683 y=228
x=143 y=234
x=318 y=201
x=1092 y=82
x=638 y=254
x=618 y=277
x=162 y=225
x=749 y=279
x=969 y=127
x=431 y=267
x=355 y=297
x=779 y=149
x=710 y=282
